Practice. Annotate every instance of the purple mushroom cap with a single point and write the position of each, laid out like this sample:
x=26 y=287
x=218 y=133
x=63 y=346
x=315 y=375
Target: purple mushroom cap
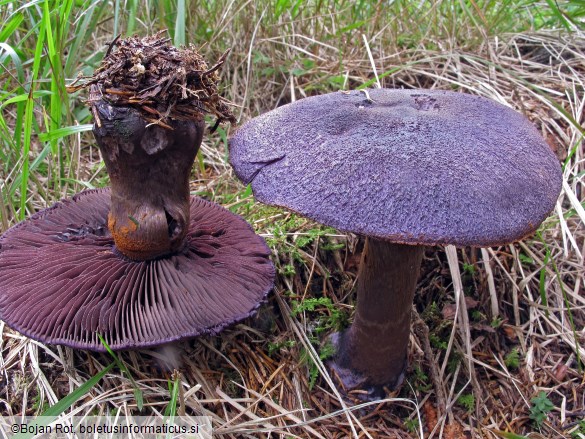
x=408 y=166
x=63 y=282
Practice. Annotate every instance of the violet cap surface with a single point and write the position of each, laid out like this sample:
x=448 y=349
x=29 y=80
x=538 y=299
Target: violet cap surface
x=409 y=166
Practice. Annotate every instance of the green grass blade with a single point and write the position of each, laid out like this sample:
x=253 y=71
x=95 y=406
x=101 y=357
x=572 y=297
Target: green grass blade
x=64 y=14
x=69 y=400
x=381 y=76
x=132 y=7
x=573 y=150
x=7 y=50
x=23 y=97
x=33 y=166
x=59 y=133
x=83 y=32
x=11 y=26
x=137 y=392
x=54 y=108
x=116 y=17
x=28 y=118
x=552 y=4
x=63 y=404
x=507 y=435
x=179 y=39
x=28 y=123
x=171 y=409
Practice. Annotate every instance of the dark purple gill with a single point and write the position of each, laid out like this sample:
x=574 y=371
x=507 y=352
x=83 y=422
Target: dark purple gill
x=61 y=282
x=412 y=166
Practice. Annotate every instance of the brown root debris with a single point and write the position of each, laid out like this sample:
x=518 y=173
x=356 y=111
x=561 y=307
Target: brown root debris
x=159 y=80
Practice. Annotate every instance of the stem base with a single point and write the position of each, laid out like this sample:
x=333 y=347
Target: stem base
x=372 y=353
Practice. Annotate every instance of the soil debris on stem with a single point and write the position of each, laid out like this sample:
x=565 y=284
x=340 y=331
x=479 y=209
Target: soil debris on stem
x=161 y=81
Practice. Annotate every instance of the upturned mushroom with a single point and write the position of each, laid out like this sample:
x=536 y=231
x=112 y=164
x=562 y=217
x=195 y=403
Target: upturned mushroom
x=406 y=169
x=142 y=263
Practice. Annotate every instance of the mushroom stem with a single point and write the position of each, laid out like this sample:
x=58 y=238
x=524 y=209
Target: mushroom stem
x=372 y=353
x=149 y=170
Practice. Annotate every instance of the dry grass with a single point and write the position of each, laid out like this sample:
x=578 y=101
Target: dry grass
x=499 y=324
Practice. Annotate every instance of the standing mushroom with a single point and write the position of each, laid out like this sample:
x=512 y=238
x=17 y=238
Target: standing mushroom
x=406 y=169
x=142 y=263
